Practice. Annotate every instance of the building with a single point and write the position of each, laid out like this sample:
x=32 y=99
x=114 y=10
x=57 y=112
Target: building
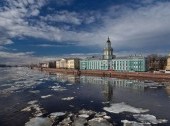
x=52 y=64
x=156 y=63
x=131 y=63
x=44 y=65
x=110 y=62
x=68 y=63
x=108 y=51
x=94 y=64
x=73 y=63
x=58 y=64
x=63 y=63
x=99 y=63
x=168 y=65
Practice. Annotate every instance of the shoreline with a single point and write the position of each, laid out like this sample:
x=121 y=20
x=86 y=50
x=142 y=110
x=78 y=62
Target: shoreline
x=160 y=77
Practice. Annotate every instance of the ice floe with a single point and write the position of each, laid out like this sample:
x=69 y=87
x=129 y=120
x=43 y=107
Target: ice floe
x=133 y=123
x=18 y=79
x=68 y=98
x=32 y=102
x=58 y=88
x=149 y=119
x=56 y=114
x=33 y=106
x=122 y=107
x=69 y=84
x=35 y=91
x=46 y=96
x=39 y=121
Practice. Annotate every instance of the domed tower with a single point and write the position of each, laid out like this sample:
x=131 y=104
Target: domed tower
x=108 y=51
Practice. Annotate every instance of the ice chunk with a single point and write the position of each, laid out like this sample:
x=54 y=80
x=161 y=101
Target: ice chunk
x=54 y=115
x=122 y=107
x=35 y=91
x=84 y=116
x=69 y=84
x=133 y=123
x=68 y=98
x=32 y=102
x=38 y=121
x=46 y=96
x=149 y=118
x=33 y=106
x=58 y=88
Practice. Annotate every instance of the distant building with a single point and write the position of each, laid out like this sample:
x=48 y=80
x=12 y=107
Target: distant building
x=63 y=63
x=156 y=63
x=68 y=63
x=168 y=65
x=44 y=65
x=94 y=64
x=52 y=64
x=58 y=64
x=131 y=63
x=73 y=63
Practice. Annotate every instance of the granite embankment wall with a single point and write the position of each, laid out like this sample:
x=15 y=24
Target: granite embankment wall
x=113 y=74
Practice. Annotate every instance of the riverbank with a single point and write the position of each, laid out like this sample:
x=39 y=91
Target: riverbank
x=113 y=74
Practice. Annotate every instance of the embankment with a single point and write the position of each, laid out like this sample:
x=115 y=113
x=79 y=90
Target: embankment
x=113 y=74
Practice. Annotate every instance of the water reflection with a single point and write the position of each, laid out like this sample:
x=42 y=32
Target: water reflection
x=89 y=92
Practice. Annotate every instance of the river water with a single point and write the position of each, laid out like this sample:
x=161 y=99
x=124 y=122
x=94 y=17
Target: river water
x=26 y=94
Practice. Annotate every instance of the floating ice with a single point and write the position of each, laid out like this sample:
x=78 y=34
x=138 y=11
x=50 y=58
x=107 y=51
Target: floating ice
x=133 y=123
x=35 y=91
x=106 y=102
x=68 y=98
x=32 y=102
x=33 y=106
x=122 y=107
x=84 y=116
x=46 y=96
x=149 y=118
x=69 y=84
x=27 y=109
x=71 y=106
x=38 y=121
x=20 y=78
x=58 y=88
x=57 y=114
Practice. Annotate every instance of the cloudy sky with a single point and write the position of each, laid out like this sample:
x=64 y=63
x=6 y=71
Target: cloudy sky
x=35 y=30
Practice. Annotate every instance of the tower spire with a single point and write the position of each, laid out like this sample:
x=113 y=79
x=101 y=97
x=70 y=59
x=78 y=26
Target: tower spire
x=108 y=40
x=108 y=51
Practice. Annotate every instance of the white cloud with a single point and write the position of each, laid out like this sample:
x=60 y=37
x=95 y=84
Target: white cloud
x=74 y=18
x=146 y=27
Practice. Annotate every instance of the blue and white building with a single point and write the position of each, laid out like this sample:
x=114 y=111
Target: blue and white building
x=109 y=62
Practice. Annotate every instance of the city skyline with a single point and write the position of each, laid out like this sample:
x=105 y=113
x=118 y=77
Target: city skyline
x=35 y=30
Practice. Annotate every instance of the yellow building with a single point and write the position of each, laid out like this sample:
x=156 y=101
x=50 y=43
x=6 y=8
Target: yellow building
x=58 y=64
x=63 y=63
x=73 y=63
x=168 y=64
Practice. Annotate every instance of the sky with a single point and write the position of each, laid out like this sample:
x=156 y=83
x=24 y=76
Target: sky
x=40 y=30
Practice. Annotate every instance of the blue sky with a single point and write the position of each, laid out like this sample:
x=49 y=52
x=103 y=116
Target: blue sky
x=36 y=30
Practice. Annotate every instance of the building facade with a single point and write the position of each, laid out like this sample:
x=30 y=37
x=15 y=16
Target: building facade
x=73 y=63
x=168 y=64
x=44 y=65
x=108 y=51
x=156 y=63
x=109 y=62
x=68 y=63
x=131 y=63
x=94 y=64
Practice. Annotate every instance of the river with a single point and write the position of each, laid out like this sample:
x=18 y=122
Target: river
x=27 y=94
